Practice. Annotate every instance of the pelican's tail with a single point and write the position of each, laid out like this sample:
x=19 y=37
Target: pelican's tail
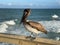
x=44 y=31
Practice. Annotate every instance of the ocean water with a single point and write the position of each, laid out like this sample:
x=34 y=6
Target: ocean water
x=10 y=18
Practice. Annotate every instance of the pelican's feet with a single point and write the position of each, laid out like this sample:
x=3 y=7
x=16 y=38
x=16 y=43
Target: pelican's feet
x=30 y=37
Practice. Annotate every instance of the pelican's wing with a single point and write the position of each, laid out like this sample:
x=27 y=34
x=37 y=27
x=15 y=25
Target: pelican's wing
x=36 y=25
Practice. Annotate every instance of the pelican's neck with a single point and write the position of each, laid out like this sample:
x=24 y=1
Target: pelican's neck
x=24 y=18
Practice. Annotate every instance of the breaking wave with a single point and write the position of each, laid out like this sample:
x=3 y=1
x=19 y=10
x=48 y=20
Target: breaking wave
x=12 y=26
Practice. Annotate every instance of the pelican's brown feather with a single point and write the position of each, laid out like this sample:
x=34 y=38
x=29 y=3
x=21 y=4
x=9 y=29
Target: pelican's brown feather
x=37 y=26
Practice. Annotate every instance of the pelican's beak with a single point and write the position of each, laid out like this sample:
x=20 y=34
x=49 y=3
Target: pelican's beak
x=21 y=20
x=20 y=23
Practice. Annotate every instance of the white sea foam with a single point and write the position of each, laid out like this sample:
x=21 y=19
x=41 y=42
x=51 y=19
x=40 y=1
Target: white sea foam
x=53 y=26
x=57 y=38
x=3 y=27
x=11 y=22
x=58 y=31
x=55 y=16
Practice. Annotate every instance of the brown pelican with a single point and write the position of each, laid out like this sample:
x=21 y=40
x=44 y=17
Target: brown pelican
x=31 y=26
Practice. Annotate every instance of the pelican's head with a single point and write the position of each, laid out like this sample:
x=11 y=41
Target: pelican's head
x=26 y=13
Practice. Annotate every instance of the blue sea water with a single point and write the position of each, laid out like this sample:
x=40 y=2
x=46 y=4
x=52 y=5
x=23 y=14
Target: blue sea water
x=10 y=18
